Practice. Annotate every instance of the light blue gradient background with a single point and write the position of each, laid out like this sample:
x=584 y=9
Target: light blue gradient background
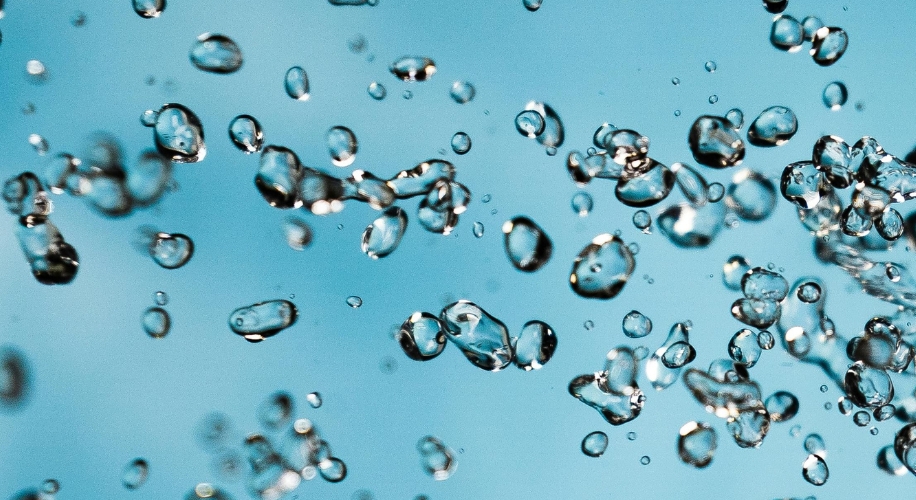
x=104 y=393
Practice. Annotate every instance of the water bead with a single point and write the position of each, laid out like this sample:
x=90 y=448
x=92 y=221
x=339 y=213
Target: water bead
x=713 y=99
x=782 y=406
x=645 y=460
x=532 y=5
x=787 y=33
x=814 y=470
x=436 y=459
x=354 y=301
x=735 y=117
x=552 y=133
x=811 y=24
x=582 y=203
x=692 y=184
x=602 y=268
x=276 y=412
x=383 y=236
x=744 y=348
x=216 y=53
x=342 y=146
x=733 y=271
x=149 y=9
x=156 y=322
x=828 y=44
x=313 y=399
x=482 y=338
x=636 y=325
x=376 y=91
x=278 y=177
x=710 y=66
x=529 y=123
x=814 y=445
x=461 y=143
x=263 y=319
x=246 y=134
x=332 y=470
x=421 y=336
x=171 y=251
x=868 y=387
x=884 y=412
x=775 y=6
x=135 y=474
x=765 y=340
x=762 y=284
x=773 y=127
x=696 y=444
x=861 y=418
x=413 y=68
x=631 y=436
x=296 y=84
x=179 y=135
x=648 y=187
x=478 y=229
x=677 y=351
x=527 y=245
x=50 y=486
x=687 y=226
x=594 y=444
x=642 y=220
x=462 y=92
x=297 y=232
x=715 y=143
x=161 y=298
x=835 y=95
x=751 y=195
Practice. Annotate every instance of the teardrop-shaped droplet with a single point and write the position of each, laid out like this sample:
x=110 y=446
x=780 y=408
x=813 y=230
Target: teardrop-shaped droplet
x=835 y=95
x=52 y=260
x=814 y=470
x=296 y=83
x=245 y=133
x=384 y=234
x=262 y=320
x=787 y=33
x=602 y=268
x=696 y=444
x=413 y=68
x=342 y=146
x=715 y=143
x=483 y=339
x=171 y=251
x=782 y=406
x=751 y=195
x=535 y=345
x=156 y=322
x=527 y=245
x=278 y=177
x=773 y=127
x=677 y=349
x=216 y=54
x=179 y=134
x=594 y=444
x=149 y=9
x=828 y=45
x=421 y=336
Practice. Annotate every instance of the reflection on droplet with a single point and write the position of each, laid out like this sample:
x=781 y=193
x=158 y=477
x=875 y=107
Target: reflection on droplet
x=179 y=134
x=383 y=236
x=787 y=33
x=245 y=133
x=773 y=127
x=462 y=92
x=262 y=320
x=413 y=68
x=677 y=351
x=313 y=399
x=149 y=9
x=461 y=143
x=437 y=459
x=602 y=268
x=135 y=474
x=376 y=91
x=216 y=54
x=527 y=245
x=710 y=66
x=171 y=251
x=421 y=336
x=835 y=95
x=296 y=83
x=156 y=322
x=814 y=470
x=594 y=444
x=696 y=444
x=868 y=387
x=529 y=123
x=342 y=146
x=478 y=229
x=535 y=345
x=636 y=325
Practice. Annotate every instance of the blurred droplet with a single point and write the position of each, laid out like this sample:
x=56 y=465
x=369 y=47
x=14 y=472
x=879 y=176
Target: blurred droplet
x=642 y=220
x=462 y=92
x=811 y=24
x=835 y=95
x=377 y=91
x=828 y=45
x=149 y=9
x=276 y=412
x=246 y=134
x=436 y=459
x=814 y=470
x=532 y=5
x=297 y=232
x=582 y=203
x=696 y=444
x=313 y=399
x=39 y=143
x=135 y=474
x=814 y=445
x=413 y=68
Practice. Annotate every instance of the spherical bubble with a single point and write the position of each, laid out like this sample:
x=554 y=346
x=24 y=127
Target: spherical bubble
x=529 y=123
x=594 y=444
x=828 y=45
x=535 y=345
x=809 y=292
x=814 y=470
x=713 y=99
x=462 y=92
x=715 y=192
x=710 y=66
x=765 y=340
x=782 y=406
x=676 y=81
x=376 y=91
x=171 y=251
x=835 y=95
x=642 y=220
x=696 y=444
x=582 y=203
x=156 y=322
x=735 y=117
x=216 y=54
x=645 y=460
x=461 y=143
x=861 y=418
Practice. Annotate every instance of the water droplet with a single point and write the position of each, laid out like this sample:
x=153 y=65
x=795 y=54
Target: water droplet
x=179 y=135
x=52 y=260
x=787 y=33
x=765 y=340
x=744 y=348
x=687 y=226
x=135 y=474
x=835 y=95
x=884 y=412
x=171 y=251
x=461 y=143
x=692 y=184
x=483 y=339
x=602 y=268
x=148 y=118
x=297 y=232
x=161 y=298
x=828 y=45
x=376 y=91
x=589 y=324
x=696 y=444
x=646 y=185
x=811 y=24
x=735 y=117
x=407 y=94
x=296 y=83
x=216 y=53
x=36 y=71
x=421 y=336
x=631 y=436
x=486 y=198
x=15 y=379
x=751 y=195
x=890 y=225
x=462 y=92
x=313 y=399
x=50 y=487
x=636 y=325
x=437 y=459
x=535 y=345
x=782 y=406
x=612 y=392
x=594 y=444
x=383 y=236
x=803 y=184
x=529 y=123
x=676 y=81
x=645 y=460
x=677 y=112
x=677 y=351
x=149 y=9
x=715 y=143
x=413 y=68
x=814 y=445
x=733 y=270
x=39 y=143
x=527 y=245
x=814 y=470
x=354 y=301
x=156 y=322
x=868 y=387
x=642 y=220
x=773 y=127
x=552 y=133
x=795 y=431
x=279 y=173
x=762 y=284
x=332 y=470
x=710 y=66
x=582 y=203
x=276 y=412
x=713 y=99
x=262 y=320
x=845 y=406
x=245 y=133
x=342 y=146
x=532 y=5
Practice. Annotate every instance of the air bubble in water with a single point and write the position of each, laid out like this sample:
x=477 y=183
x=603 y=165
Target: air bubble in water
x=276 y=412
x=383 y=236
x=535 y=345
x=773 y=127
x=814 y=470
x=715 y=143
x=636 y=325
x=762 y=284
x=552 y=133
x=845 y=406
x=262 y=320
x=868 y=387
x=710 y=66
x=735 y=117
x=787 y=33
x=642 y=220
x=149 y=9
x=687 y=226
x=529 y=123
x=696 y=444
x=342 y=146
x=677 y=351
x=645 y=460
x=156 y=322
x=161 y=298
x=437 y=459
x=413 y=68
x=216 y=54
x=245 y=133
x=135 y=474
x=835 y=95
x=462 y=92
x=376 y=91
x=782 y=406
x=179 y=134
x=421 y=336
x=296 y=83
x=582 y=203
x=594 y=444
x=744 y=348
x=713 y=99
x=482 y=338
x=354 y=301
x=526 y=244
x=765 y=340
x=602 y=268
x=171 y=251
x=828 y=45
x=461 y=143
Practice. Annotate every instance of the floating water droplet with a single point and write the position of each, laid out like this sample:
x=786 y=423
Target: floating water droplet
x=421 y=336
x=845 y=406
x=535 y=345
x=15 y=379
x=687 y=226
x=354 y=301
x=461 y=143
x=696 y=444
x=828 y=45
x=645 y=460
x=529 y=123
x=582 y=203
x=483 y=339
x=744 y=348
x=148 y=118
x=245 y=133
x=904 y=444
x=161 y=298
x=52 y=260
x=814 y=445
x=811 y=24
x=765 y=340
x=156 y=322
x=135 y=474
x=762 y=284
x=276 y=412
x=342 y=146
x=376 y=91
x=868 y=387
x=594 y=444
x=890 y=225
x=787 y=33
x=216 y=54
x=278 y=177
x=296 y=83
x=179 y=135
x=413 y=68
x=462 y=92
x=526 y=244
x=773 y=127
x=835 y=95
x=39 y=143
x=888 y=462
x=602 y=268
x=715 y=143
x=636 y=325
x=803 y=184
x=751 y=195
x=262 y=320
x=631 y=436
x=552 y=133
x=884 y=412
x=782 y=406
x=713 y=99
x=332 y=470
x=677 y=351
x=735 y=117
x=313 y=399
x=642 y=220
x=149 y=9
x=478 y=229
x=383 y=236
x=171 y=251
x=733 y=270
x=612 y=392
x=437 y=459
x=814 y=470
x=809 y=292
x=297 y=232
x=646 y=186
x=710 y=66
x=532 y=5
x=692 y=184
x=861 y=418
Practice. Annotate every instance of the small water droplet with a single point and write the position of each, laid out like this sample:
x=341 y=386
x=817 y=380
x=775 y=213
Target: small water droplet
x=645 y=460
x=156 y=322
x=135 y=474
x=342 y=146
x=835 y=95
x=676 y=81
x=713 y=99
x=149 y=9
x=462 y=92
x=710 y=66
x=582 y=203
x=376 y=91
x=161 y=298
x=589 y=324
x=354 y=301
x=296 y=83
x=594 y=444
x=246 y=134
x=216 y=53
x=461 y=143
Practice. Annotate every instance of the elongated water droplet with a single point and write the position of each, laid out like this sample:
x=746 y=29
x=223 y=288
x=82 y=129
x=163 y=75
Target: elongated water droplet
x=384 y=234
x=262 y=320
x=179 y=134
x=582 y=203
x=478 y=229
x=613 y=392
x=773 y=127
x=342 y=146
x=436 y=459
x=602 y=268
x=696 y=444
x=413 y=68
x=245 y=133
x=552 y=134
x=535 y=345
x=743 y=348
x=814 y=470
x=296 y=83
x=171 y=251
x=421 y=336
x=527 y=245
x=828 y=45
x=216 y=53
x=135 y=474
x=594 y=444
x=278 y=177
x=354 y=301
x=835 y=95
x=483 y=339
x=52 y=260
x=462 y=92
x=149 y=9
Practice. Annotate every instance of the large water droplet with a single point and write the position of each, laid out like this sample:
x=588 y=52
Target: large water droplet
x=773 y=127
x=245 y=133
x=828 y=45
x=535 y=345
x=262 y=320
x=171 y=251
x=696 y=444
x=692 y=184
x=636 y=325
x=216 y=54
x=762 y=284
x=413 y=68
x=529 y=123
x=526 y=244
x=462 y=92
x=602 y=268
x=594 y=444
x=532 y=5
x=483 y=339
x=384 y=234
x=179 y=134
x=53 y=261
x=551 y=136
x=715 y=143
x=421 y=336
x=787 y=33
x=612 y=392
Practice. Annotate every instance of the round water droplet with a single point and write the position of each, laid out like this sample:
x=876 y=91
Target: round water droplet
x=532 y=5
x=478 y=229
x=710 y=66
x=884 y=412
x=828 y=45
x=594 y=444
x=835 y=95
x=156 y=322
x=762 y=284
x=735 y=117
x=376 y=91
x=413 y=68
x=589 y=324
x=354 y=301
x=809 y=292
x=149 y=9
x=297 y=232
x=868 y=387
x=50 y=486
x=782 y=406
x=135 y=474
x=744 y=348
x=787 y=33
x=861 y=418
x=552 y=133
x=811 y=24
x=676 y=81
x=582 y=203
x=765 y=340
x=216 y=54
x=245 y=133
x=642 y=220
x=814 y=470
x=814 y=445
x=421 y=336
x=436 y=458
x=332 y=470
x=179 y=134
x=461 y=143
x=645 y=460
x=535 y=345
x=296 y=83
x=713 y=99
x=383 y=236
x=602 y=268
x=824 y=388
x=148 y=118
x=636 y=325
x=526 y=244
x=773 y=127
x=462 y=92
x=342 y=146
x=161 y=298
x=171 y=251
x=631 y=436
x=716 y=192
x=314 y=399
x=696 y=444
x=529 y=123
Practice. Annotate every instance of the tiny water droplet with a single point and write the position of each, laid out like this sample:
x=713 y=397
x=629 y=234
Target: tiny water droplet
x=376 y=91
x=354 y=301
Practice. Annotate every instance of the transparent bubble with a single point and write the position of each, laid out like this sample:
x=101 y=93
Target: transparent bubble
x=744 y=348
x=602 y=268
x=149 y=9
x=552 y=133
x=421 y=336
x=762 y=284
x=890 y=224
x=765 y=340
x=828 y=45
x=696 y=444
x=436 y=459
x=691 y=183
x=478 y=229
x=297 y=232
x=715 y=192
x=156 y=322
x=809 y=292
x=279 y=172
x=413 y=68
x=527 y=245
x=713 y=99
x=462 y=92
x=535 y=345
x=811 y=24
x=687 y=226
x=645 y=460
x=589 y=324
x=613 y=392
x=171 y=251
x=835 y=95
x=710 y=66
x=383 y=236
x=646 y=186
x=888 y=462
x=735 y=117
x=376 y=91
x=529 y=123
x=782 y=406
x=216 y=54
x=845 y=406
x=884 y=412
x=52 y=260
x=814 y=445
x=246 y=134
x=179 y=134
x=276 y=412
x=594 y=444
x=751 y=195
x=332 y=470
x=677 y=349
x=733 y=270
x=135 y=474
x=642 y=220
x=313 y=399
x=482 y=338
x=50 y=486
x=787 y=33
x=626 y=147
x=715 y=143
x=582 y=203
x=814 y=470
x=262 y=320
x=532 y=5
x=342 y=146
x=636 y=325
x=868 y=387
x=773 y=127
x=296 y=83
x=861 y=418
x=148 y=118
x=461 y=143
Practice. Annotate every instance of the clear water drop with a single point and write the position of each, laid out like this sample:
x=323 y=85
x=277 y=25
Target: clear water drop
x=171 y=251
x=636 y=325
x=461 y=143
x=156 y=322
x=527 y=245
x=263 y=319
x=216 y=53
x=376 y=91
x=296 y=83
x=421 y=336
x=814 y=470
x=835 y=95
x=135 y=474
x=696 y=444
x=383 y=236
x=149 y=9
x=462 y=92
x=594 y=444
x=342 y=145
x=413 y=68
x=246 y=134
